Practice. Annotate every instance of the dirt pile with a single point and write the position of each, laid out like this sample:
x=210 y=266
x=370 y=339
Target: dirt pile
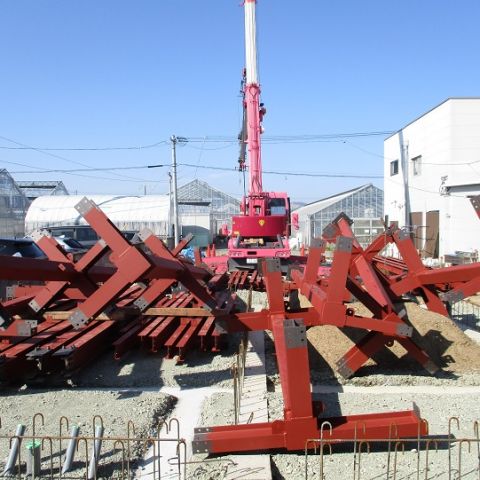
x=448 y=346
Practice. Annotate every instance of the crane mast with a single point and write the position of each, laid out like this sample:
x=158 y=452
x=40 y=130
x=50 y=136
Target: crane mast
x=252 y=100
x=262 y=228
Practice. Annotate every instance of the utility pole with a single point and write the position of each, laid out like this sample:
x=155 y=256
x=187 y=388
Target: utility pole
x=176 y=232
x=170 y=190
x=180 y=141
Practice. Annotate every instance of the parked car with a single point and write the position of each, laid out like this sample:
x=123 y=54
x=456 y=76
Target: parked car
x=83 y=234
x=70 y=245
x=20 y=247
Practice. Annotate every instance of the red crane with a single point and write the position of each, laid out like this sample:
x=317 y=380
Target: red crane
x=263 y=226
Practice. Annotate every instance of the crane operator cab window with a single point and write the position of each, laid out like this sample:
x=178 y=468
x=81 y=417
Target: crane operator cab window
x=277 y=206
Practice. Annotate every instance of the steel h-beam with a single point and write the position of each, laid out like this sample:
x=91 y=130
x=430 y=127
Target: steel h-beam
x=299 y=423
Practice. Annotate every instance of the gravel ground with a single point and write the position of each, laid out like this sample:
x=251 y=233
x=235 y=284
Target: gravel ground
x=458 y=356
x=141 y=369
x=217 y=410
x=436 y=408
x=116 y=408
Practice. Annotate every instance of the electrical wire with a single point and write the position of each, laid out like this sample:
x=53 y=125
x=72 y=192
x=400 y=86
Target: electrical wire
x=59 y=157
x=74 y=172
x=301 y=138
x=196 y=166
x=87 y=149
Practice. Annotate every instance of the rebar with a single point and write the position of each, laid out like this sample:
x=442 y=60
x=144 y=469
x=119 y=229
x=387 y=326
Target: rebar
x=120 y=464
x=395 y=449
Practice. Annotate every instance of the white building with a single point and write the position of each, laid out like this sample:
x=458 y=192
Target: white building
x=431 y=168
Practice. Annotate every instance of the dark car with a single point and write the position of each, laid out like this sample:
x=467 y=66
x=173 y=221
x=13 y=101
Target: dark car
x=20 y=247
x=83 y=234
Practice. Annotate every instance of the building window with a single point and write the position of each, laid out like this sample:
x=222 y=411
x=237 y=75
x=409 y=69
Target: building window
x=417 y=165
x=393 y=167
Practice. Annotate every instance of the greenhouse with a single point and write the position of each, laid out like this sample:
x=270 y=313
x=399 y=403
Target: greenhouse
x=33 y=190
x=127 y=213
x=364 y=205
x=198 y=197
x=13 y=207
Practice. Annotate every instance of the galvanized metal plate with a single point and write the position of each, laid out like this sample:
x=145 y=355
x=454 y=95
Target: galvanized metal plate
x=84 y=206
x=78 y=319
x=343 y=216
x=25 y=328
x=141 y=303
x=202 y=430
x=201 y=446
x=34 y=305
x=453 y=296
x=295 y=333
x=404 y=330
x=144 y=234
x=273 y=265
x=344 y=244
x=39 y=234
x=10 y=292
x=329 y=231
x=343 y=370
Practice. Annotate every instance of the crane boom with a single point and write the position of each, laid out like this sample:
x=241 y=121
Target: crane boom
x=252 y=99
x=263 y=226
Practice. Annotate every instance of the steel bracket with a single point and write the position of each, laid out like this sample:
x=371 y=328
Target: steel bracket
x=295 y=333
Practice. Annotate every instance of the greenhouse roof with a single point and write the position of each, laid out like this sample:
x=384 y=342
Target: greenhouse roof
x=323 y=203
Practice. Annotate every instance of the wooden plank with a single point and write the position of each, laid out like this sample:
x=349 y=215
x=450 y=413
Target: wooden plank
x=122 y=313
x=179 y=312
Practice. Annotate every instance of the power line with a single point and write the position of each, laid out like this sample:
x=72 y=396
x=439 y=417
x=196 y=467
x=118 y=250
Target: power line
x=85 y=149
x=296 y=174
x=75 y=172
x=54 y=155
x=204 y=167
x=103 y=169
x=301 y=138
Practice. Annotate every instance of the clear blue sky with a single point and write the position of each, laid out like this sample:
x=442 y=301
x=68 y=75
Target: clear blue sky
x=97 y=73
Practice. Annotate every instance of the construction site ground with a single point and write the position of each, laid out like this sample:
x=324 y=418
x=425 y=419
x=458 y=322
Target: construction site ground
x=142 y=386
x=395 y=383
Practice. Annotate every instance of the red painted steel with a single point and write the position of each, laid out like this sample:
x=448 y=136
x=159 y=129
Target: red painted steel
x=140 y=280
x=299 y=422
